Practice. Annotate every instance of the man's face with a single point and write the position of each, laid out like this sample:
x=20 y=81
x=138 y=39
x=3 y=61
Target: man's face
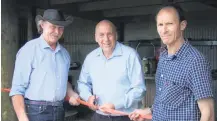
x=168 y=26
x=106 y=36
x=51 y=33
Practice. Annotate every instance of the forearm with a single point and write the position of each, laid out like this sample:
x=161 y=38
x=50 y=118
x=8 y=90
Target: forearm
x=207 y=116
x=70 y=91
x=19 y=106
x=84 y=90
x=134 y=95
x=206 y=107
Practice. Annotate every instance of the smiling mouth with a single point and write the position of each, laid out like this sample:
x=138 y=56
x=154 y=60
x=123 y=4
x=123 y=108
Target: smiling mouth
x=164 y=37
x=107 y=45
x=55 y=37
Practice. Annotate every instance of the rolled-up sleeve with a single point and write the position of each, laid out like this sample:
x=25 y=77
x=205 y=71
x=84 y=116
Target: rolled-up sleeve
x=22 y=72
x=135 y=74
x=84 y=82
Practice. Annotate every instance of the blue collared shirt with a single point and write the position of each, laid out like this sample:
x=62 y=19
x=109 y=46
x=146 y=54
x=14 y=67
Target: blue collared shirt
x=118 y=80
x=41 y=73
x=181 y=80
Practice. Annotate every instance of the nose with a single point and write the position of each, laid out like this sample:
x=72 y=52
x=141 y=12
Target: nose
x=165 y=29
x=106 y=38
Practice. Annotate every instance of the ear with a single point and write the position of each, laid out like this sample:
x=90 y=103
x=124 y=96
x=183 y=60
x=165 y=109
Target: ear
x=183 y=25
x=96 y=37
x=42 y=25
x=116 y=35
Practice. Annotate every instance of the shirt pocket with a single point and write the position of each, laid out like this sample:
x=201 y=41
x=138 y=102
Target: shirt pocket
x=172 y=95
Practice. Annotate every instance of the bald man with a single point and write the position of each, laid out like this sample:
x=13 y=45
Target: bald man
x=183 y=78
x=111 y=75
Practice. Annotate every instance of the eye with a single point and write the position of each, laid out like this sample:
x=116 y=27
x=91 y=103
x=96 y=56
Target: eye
x=101 y=35
x=110 y=34
x=61 y=28
x=52 y=27
x=160 y=24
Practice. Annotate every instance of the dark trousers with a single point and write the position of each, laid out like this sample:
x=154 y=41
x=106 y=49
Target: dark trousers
x=40 y=112
x=98 y=117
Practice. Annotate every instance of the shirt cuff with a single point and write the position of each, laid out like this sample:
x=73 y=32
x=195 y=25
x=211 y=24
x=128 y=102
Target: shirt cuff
x=17 y=91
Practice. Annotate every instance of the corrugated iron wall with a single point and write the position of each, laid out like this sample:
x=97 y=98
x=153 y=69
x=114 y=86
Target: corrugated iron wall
x=140 y=31
x=201 y=29
x=210 y=52
x=81 y=31
x=78 y=52
x=196 y=29
x=79 y=38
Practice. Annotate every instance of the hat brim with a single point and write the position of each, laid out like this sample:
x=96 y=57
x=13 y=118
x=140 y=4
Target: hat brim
x=67 y=21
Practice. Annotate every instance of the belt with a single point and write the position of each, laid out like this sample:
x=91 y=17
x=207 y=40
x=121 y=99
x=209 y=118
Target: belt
x=36 y=102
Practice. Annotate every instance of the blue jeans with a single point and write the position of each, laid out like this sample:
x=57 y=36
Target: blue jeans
x=37 y=112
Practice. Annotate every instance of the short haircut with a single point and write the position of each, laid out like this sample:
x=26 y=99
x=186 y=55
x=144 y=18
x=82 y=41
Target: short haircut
x=178 y=9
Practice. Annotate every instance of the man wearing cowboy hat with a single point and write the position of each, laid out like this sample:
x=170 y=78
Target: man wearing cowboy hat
x=41 y=72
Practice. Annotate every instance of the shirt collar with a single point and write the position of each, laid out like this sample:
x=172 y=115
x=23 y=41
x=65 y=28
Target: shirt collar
x=179 y=54
x=45 y=45
x=116 y=52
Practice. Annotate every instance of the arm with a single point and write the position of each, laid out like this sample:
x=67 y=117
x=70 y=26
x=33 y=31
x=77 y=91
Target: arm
x=135 y=74
x=20 y=82
x=206 y=107
x=19 y=107
x=70 y=91
x=201 y=87
x=84 y=83
x=73 y=96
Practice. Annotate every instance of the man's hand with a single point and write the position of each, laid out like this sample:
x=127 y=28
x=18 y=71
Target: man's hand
x=106 y=106
x=91 y=100
x=136 y=113
x=73 y=100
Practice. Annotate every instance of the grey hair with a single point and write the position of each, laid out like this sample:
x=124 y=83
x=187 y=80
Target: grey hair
x=38 y=25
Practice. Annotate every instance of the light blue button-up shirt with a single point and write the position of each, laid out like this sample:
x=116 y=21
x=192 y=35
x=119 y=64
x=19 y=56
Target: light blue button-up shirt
x=118 y=80
x=41 y=73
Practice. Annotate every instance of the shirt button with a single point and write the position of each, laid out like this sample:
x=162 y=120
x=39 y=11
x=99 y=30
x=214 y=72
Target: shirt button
x=161 y=75
x=159 y=89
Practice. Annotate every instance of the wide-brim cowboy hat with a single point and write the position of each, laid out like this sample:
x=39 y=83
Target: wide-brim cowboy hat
x=55 y=17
